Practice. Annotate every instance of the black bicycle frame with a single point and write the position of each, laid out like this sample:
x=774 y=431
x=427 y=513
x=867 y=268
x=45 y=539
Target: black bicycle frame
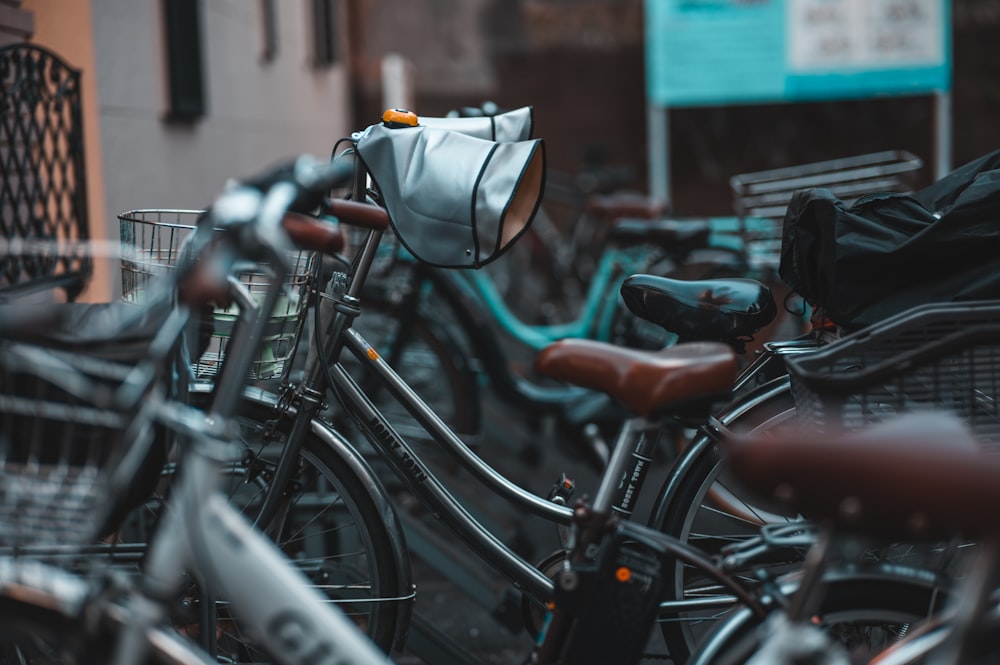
x=408 y=466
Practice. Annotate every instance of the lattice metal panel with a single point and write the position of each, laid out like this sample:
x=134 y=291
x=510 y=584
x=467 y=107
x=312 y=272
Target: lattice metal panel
x=43 y=204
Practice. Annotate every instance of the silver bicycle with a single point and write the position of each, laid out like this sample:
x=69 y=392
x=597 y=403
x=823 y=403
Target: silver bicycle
x=78 y=429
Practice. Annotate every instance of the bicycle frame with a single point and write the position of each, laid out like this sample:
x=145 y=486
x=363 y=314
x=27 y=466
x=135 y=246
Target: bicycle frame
x=324 y=370
x=408 y=466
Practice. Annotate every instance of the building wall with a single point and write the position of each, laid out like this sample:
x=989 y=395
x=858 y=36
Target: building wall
x=260 y=108
x=16 y=23
x=581 y=63
x=57 y=26
x=258 y=111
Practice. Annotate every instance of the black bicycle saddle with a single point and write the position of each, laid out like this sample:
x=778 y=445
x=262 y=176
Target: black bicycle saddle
x=671 y=234
x=721 y=310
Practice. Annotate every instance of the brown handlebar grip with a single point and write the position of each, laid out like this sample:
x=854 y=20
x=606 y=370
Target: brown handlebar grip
x=313 y=234
x=354 y=213
x=205 y=285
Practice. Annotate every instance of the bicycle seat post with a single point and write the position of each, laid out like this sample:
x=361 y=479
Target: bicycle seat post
x=632 y=442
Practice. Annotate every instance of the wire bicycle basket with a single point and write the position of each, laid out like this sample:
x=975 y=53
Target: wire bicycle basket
x=66 y=420
x=152 y=242
x=938 y=357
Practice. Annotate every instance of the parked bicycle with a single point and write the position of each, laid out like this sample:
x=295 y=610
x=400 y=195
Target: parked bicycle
x=188 y=537
x=701 y=484
x=79 y=427
x=294 y=418
x=940 y=477
x=452 y=334
x=205 y=537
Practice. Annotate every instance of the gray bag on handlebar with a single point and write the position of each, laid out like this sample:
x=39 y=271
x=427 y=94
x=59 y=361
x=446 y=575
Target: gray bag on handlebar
x=455 y=201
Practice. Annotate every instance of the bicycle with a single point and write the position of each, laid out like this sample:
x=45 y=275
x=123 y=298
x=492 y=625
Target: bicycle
x=105 y=415
x=456 y=324
x=343 y=301
x=200 y=531
x=944 y=475
x=917 y=359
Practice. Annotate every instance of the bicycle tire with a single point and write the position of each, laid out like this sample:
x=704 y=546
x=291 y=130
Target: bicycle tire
x=709 y=513
x=335 y=529
x=865 y=612
x=37 y=626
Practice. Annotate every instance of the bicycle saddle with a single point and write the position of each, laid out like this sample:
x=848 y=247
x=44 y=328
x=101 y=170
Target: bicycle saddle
x=720 y=310
x=673 y=234
x=644 y=382
x=917 y=475
x=625 y=204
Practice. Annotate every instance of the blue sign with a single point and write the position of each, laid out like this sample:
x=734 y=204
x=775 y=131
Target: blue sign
x=712 y=52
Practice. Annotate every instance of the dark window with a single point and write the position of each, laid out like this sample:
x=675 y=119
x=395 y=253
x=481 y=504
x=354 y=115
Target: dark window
x=183 y=40
x=269 y=25
x=324 y=33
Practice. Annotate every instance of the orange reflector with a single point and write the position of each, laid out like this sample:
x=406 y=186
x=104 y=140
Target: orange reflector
x=623 y=574
x=372 y=354
x=399 y=118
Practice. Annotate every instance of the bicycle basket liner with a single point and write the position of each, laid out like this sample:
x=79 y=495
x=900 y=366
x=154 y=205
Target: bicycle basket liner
x=455 y=201
x=153 y=240
x=509 y=126
x=66 y=420
x=938 y=357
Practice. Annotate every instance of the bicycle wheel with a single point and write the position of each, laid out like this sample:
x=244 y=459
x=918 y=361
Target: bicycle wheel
x=332 y=524
x=39 y=626
x=704 y=508
x=863 y=613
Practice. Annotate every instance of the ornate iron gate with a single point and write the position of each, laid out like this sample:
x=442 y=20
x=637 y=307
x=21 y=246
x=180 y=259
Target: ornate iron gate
x=43 y=200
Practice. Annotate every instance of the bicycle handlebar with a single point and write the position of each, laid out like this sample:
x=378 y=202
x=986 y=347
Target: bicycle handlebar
x=312 y=180
x=359 y=214
x=313 y=234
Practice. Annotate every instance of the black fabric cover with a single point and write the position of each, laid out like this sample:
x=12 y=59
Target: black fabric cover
x=889 y=252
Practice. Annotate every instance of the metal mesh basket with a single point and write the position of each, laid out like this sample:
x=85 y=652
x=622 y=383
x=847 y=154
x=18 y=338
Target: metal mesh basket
x=65 y=419
x=152 y=241
x=941 y=357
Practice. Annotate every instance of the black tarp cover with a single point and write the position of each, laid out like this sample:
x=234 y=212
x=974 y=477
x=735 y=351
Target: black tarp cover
x=889 y=252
